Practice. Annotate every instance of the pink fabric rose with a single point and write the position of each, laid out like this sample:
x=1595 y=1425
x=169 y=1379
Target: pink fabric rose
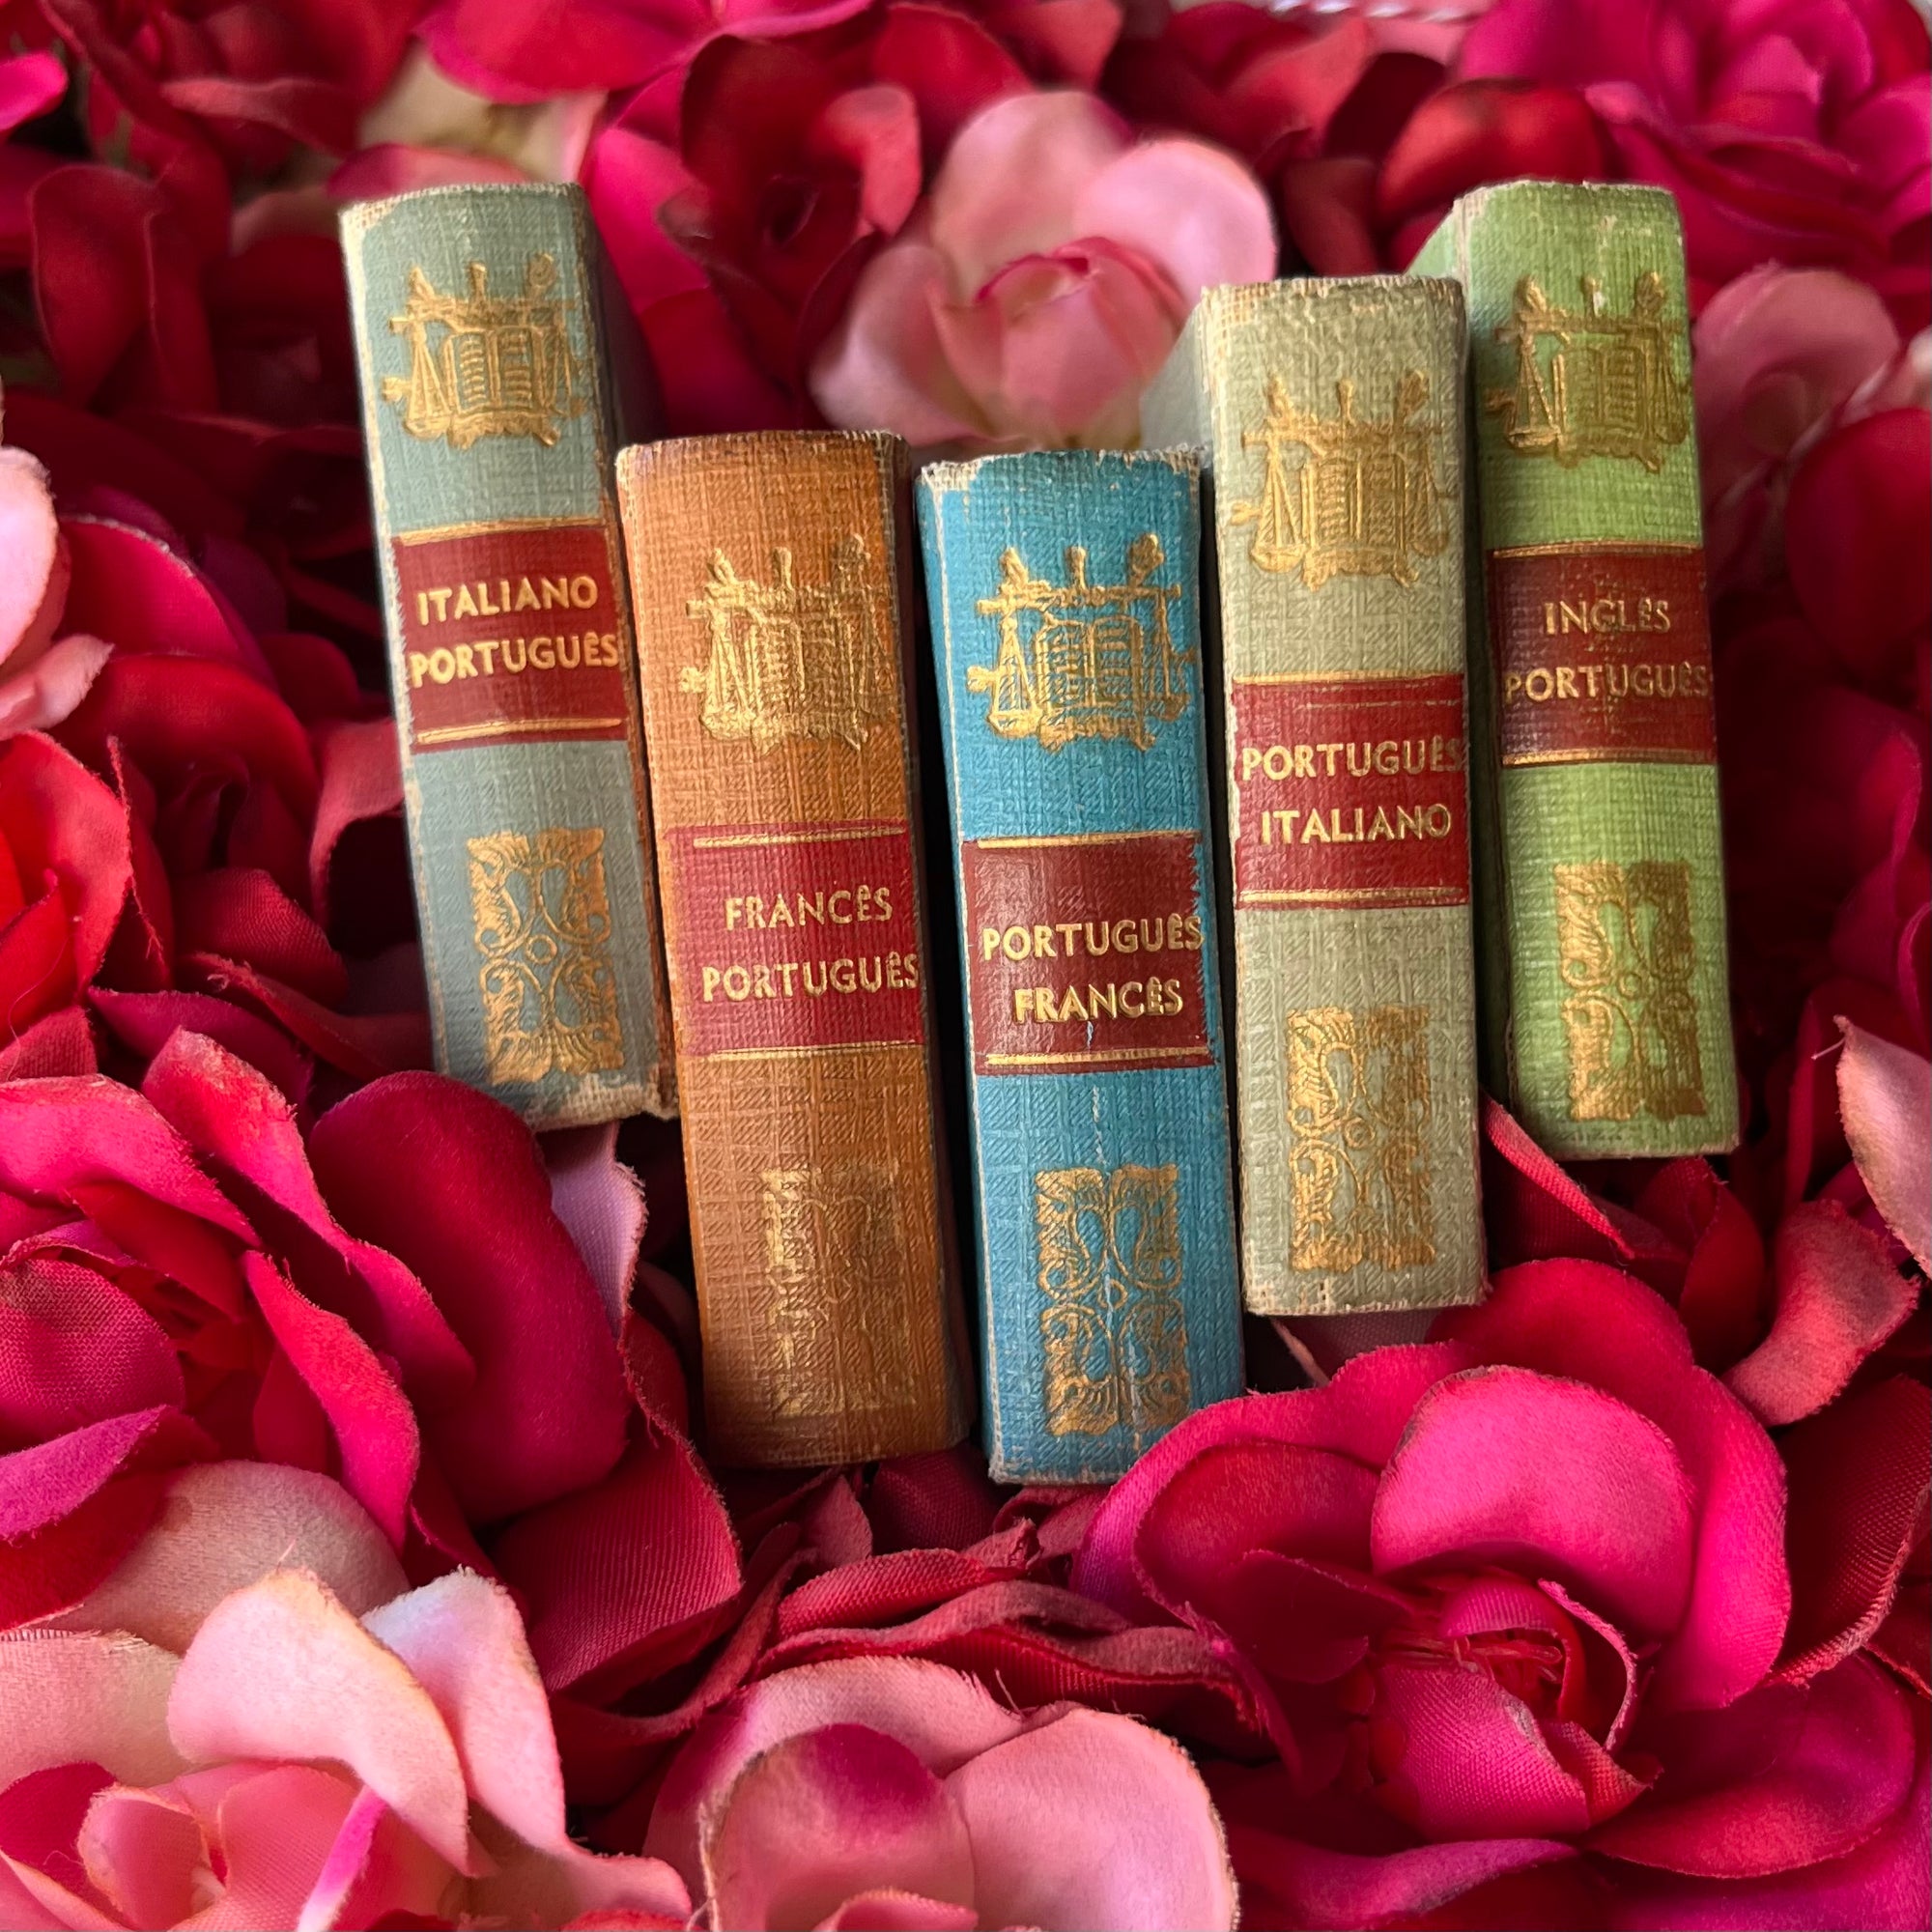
x=41 y=678
x=1790 y=131
x=1043 y=283
x=890 y=1792
x=252 y=1723
x=1518 y=1602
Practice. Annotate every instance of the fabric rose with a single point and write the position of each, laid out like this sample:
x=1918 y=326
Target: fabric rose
x=42 y=679
x=1044 y=281
x=186 y=1268
x=197 y=94
x=890 y=1792
x=253 y=1722
x=1517 y=1601
x=1795 y=132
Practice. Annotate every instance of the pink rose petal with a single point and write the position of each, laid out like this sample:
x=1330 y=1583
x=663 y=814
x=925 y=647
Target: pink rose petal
x=943 y=1717
x=282 y=1671
x=1014 y=181
x=1506 y=1467
x=478 y=1231
x=1884 y=1093
x=82 y=1698
x=221 y=1526
x=142 y=1851
x=827 y=1814
x=36 y=580
x=1776 y=1794
x=1598 y=1325
x=48 y=691
x=1092 y=1819
x=1838 y=1298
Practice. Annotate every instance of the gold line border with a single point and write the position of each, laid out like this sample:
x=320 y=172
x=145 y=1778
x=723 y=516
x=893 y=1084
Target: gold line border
x=1454 y=673
x=1390 y=896
x=504 y=727
x=1206 y=1055
x=803 y=1052
x=1019 y=840
x=503 y=527
x=836 y=835
x=1624 y=756
x=1582 y=547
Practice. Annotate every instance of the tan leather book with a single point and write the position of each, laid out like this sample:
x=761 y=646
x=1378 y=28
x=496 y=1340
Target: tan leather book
x=769 y=574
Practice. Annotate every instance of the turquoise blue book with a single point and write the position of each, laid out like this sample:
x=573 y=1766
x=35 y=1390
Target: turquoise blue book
x=1063 y=590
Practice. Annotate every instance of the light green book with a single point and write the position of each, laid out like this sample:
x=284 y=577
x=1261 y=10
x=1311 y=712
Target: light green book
x=1600 y=885
x=491 y=409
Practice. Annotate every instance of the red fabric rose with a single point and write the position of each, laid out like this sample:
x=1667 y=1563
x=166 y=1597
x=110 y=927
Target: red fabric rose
x=188 y=1269
x=1514 y=1601
x=198 y=92
x=1795 y=132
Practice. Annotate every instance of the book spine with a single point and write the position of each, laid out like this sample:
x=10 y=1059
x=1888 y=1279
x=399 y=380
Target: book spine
x=777 y=680
x=1064 y=592
x=1608 y=996
x=1332 y=415
x=489 y=410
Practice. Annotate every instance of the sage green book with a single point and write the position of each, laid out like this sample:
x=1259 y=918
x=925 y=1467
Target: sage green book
x=1600 y=887
x=496 y=382
x=1331 y=413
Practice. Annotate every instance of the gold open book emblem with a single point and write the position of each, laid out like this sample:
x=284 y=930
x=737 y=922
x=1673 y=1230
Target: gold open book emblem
x=789 y=660
x=1347 y=495
x=1081 y=660
x=483 y=364
x=1590 y=381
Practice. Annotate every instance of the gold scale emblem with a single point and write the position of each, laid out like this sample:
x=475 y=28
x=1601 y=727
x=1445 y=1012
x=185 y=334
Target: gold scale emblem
x=1589 y=382
x=1081 y=660
x=488 y=365
x=789 y=660
x=1361 y=500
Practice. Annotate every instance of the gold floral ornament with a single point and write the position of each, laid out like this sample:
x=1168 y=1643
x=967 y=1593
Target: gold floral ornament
x=1111 y=1325
x=789 y=660
x=832 y=1243
x=1590 y=381
x=1359 y=1115
x=542 y=923
x=1346 y=496
x=1083 y=659
x=488 y=365
x=1630 y=1005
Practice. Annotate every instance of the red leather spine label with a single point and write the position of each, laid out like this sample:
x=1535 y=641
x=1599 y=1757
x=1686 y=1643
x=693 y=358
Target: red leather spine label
x=1602 y=652
x=796 y=938
x=511 y=635
x=1084 y=952
x=1349 y=792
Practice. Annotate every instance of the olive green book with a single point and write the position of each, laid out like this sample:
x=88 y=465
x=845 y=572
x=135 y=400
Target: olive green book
x=1331 y=415
x=1601 y=886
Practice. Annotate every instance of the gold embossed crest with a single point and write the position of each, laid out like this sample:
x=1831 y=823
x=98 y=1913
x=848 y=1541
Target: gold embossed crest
x=789 y=660
x=1111 y=1322
x=483 y=364
x=1358 y=1115
x=542 y=923
x=1084 y=660
x=1347 y=495
x=1590 y=381
x=832 y=1249
x=1630 y=1004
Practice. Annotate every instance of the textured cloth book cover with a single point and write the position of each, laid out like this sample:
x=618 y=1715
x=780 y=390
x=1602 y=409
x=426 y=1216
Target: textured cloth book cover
x=1331 y=411
x=776 y=678
x=1606 y=981
x=1063 y=589
x=489 y=409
